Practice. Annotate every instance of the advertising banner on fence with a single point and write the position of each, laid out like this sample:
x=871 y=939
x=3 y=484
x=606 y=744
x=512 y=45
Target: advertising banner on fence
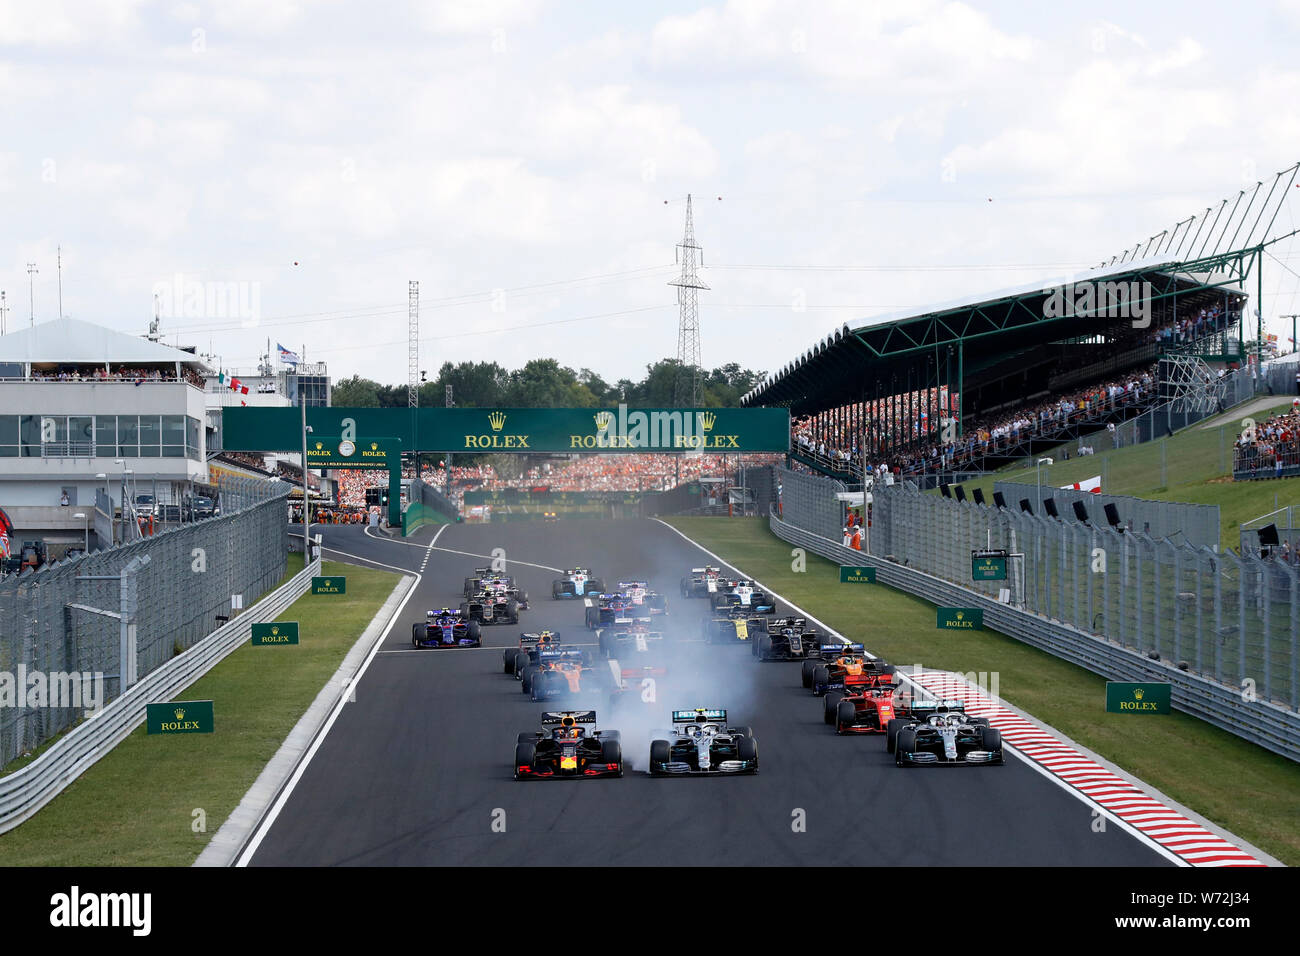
x=180 y=717
x=1128 y=697
x=960 y=619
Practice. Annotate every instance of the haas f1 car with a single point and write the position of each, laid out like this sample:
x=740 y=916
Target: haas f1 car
x=495 y=604
x=576 y=583
x=568 y=745
x=484 y=578
x=945 y=736
x=787 y=639
x=701 y=744
x=446 y=628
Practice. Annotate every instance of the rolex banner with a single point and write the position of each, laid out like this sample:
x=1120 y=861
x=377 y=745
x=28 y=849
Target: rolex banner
x=960 y=619
x=1126 y=697
x=180 y=717
x=275 y=633
x=332 y=585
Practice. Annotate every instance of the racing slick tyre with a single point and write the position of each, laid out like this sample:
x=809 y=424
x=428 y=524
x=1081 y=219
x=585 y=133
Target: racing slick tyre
x=891 y=732
x=887 y=668
x=807 y=674
x=523 y=756
x=557 y=589
x=660 y=752
x=744 y=731
x=748 y=750
x=526 y=738
x=829 y=704
x=521 y=661
x=991 y=740
x=821 y=676
x=595 y=586
x=526 y=677
x=606 y=646
x=686 y=588
x=846 y=715
x=763 y=647
x=905 y=743
x=978 y=721
x=508 y=660
x=539 y=686
x=473 y=631
x=512 y=612
x=469 y=585
x=610 y=735
x=416 y=635
x=611 y=751
x=592 y=619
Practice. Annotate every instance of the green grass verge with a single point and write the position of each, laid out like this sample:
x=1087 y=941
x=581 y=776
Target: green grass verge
x=136 y=806
x=1193 y=465
x=1244 y=788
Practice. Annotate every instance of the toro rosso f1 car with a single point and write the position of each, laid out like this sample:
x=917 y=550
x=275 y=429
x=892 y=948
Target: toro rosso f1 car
x=701 y=744
x=701 y=582
x=946 y=737
x=446 y=628
x=568 y=745
x=576 y=583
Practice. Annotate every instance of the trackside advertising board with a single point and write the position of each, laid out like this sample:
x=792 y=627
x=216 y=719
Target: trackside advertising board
x=275 y=634
x=332 y=585
x=1129 y=697
x=960 y=619
x=857 y=575
x=180 y=717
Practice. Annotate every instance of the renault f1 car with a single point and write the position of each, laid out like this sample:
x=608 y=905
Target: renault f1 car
x=576 y=583
x=568 y=745
x=701 y=582
x=787 y=639
x=735 y=623
x=446 y=628
x=701 y=744
x=945 y=738
x=744 y=593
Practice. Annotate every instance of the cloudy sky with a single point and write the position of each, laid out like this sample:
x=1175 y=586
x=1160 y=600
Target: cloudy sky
x=528 y=162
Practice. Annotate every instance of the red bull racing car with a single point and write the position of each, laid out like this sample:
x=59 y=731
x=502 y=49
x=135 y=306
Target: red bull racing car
x=568 y=745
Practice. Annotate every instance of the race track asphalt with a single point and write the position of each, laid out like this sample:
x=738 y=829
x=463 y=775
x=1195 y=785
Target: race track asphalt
x=418 y=769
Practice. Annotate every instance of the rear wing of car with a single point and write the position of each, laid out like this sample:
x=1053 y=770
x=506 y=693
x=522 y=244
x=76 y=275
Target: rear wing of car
x=832 y=650
x=781 y=622
x=559 y=653
x=443 y=612
x=483 y=572
x=699 y=715
x=634 y=584
x=569 y=572
x=931 y=706
x=555 y=717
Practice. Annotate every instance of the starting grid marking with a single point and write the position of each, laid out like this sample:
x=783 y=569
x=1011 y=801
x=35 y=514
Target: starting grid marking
x=1189 y=841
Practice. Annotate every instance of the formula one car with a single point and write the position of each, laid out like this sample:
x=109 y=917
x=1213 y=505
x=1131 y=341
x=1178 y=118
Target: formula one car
x=736 y=623
x=446 y=628
x=701 y=582
x=484 y=577
x=787 y=639
x=493 y=605
x=844 y=667
x=515 y=659
x=867 y=710
x=564 y=673
x=626 y=639
x=644 y=597
x=623 y=607
x=701 y=744
x=947 y=738
x=746 y=594
x=565 y=748
x=577 y=582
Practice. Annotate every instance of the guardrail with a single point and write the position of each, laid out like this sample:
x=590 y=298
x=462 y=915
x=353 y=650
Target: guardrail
x=25 y=791
x=1267 y=725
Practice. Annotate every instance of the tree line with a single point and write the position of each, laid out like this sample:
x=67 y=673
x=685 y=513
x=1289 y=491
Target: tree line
x=545 y=383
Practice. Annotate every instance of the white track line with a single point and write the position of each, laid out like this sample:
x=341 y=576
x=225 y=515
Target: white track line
x=1081 y=797
x=468 y=554
x=264 y=826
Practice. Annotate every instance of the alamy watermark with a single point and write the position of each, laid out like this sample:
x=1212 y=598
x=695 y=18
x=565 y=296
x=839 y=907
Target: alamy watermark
x=83 y=690
x=191 y=298
x=1101 y=300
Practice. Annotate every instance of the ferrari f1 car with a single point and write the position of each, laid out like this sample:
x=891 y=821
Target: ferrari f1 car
x=945 y=737
x=787 y=639
x=576 y=583
x=446 y=628
x=701 y=744
x=701 y=582
x=735 y=623
x=747 y=594
x=568 y=745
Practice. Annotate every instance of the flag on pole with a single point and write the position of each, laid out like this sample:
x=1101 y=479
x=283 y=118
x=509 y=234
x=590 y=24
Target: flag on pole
x=6 y=529
x=1088 y=484
x=287 y=357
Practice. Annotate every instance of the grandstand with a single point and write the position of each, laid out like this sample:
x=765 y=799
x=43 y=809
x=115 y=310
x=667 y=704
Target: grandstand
x=970 y=386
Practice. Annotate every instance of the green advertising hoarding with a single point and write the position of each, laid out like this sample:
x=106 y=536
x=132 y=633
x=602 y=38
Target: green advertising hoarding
x=988 y=568
x=960 y=619
x=1130 y=697
x=857 y=575
x=337 y=584
x=275 y=633
x=180 y=717
x=610 y=429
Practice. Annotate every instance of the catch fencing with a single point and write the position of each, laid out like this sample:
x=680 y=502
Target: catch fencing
x=124 y=612
x=1233 y=620
x=1193 y=524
